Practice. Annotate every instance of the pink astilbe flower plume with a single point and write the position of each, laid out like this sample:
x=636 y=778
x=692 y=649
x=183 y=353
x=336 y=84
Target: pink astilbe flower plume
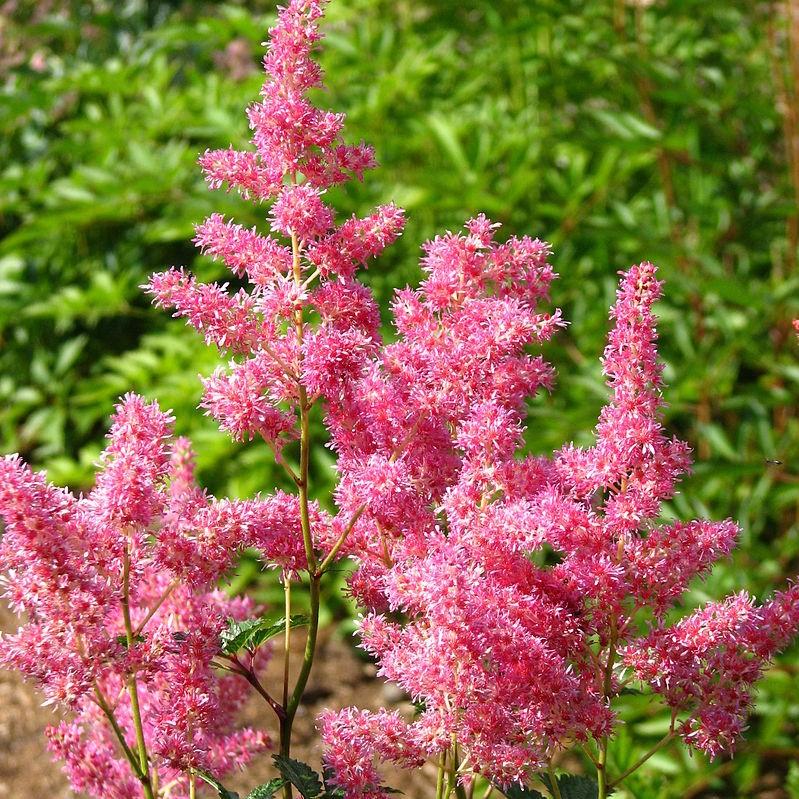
x=509 y=595
x=72 y=566
x=514 y=659
x=299 y=152
x=705 y=665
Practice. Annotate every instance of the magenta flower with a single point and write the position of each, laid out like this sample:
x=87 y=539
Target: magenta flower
x=113 y=593
x=515 y=660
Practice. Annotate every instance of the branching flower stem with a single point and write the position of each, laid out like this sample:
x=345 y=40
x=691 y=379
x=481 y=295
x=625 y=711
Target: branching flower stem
x=442 y=766
x=102 y=702
x=553 y=780
x=133 y=691
x=251 y=677
x=664 y=741
x=336 y=548
x=155 y=608
x=602 y=760
x=292 y=702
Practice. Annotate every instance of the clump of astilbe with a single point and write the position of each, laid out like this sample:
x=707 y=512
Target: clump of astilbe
x=306 y=332
x=517 y=656
x=113 y=634
x=304 y=326
x=512 y=596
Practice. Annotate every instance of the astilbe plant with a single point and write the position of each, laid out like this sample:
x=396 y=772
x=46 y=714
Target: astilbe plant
x=512 y=597
x=124 y=638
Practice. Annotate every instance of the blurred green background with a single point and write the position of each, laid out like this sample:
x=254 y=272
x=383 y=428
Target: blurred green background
x=619 y=131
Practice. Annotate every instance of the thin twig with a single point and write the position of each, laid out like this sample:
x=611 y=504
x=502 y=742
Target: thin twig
x=155 y=608
x=398 y=451
x=102 y=702
x=133 y=691
x=666 y=739
x=553 y=781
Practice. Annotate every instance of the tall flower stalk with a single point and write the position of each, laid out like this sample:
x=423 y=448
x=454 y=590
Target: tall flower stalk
x=119 y=631
x=306 y=328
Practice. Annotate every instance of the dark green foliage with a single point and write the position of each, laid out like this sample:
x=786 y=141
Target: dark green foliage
x=573 y=786
x=220 y=789
x=519 y=792
x=122 y=640
x=267 y=790
x=570 y=786
x=251 y=633
x=330 y=789
x=300 y=775
x=309 y=783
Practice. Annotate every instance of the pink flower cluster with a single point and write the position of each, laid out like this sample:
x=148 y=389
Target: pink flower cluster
x=704 y=666
x=298 y=153
x=73 y=565
x=521 y=581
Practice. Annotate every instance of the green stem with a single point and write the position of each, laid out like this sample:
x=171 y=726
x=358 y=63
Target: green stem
x=460 y=791
x=252 y=678
x=442 y=765
x=308 y=655
x=155 y=608
x=398 y=450
x=286 y=639
x=664 y=741
x=291 y=703
x=109 y=714
x=602 y=760
x=602 y=789
x=331 y=556
x=305 y=432
x=453 y=786
x=287 y=723
x=133 y=692
x=554 y=782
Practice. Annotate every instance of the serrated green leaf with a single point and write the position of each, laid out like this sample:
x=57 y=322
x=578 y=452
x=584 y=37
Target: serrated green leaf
x=573 y=786
x=251 y=633
x=331 y=791
x=222 y=792
x=300 y=775
x=520 y=792
x=267 y=790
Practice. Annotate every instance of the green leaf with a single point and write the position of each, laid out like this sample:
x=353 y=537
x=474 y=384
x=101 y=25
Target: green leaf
x=300 y=775
x=222 y=792
x=251 y=633
x=520 y=792
x=122 y=640
x=792 y=781
x=331 y=792
x=267 y=790
x=573 y=786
